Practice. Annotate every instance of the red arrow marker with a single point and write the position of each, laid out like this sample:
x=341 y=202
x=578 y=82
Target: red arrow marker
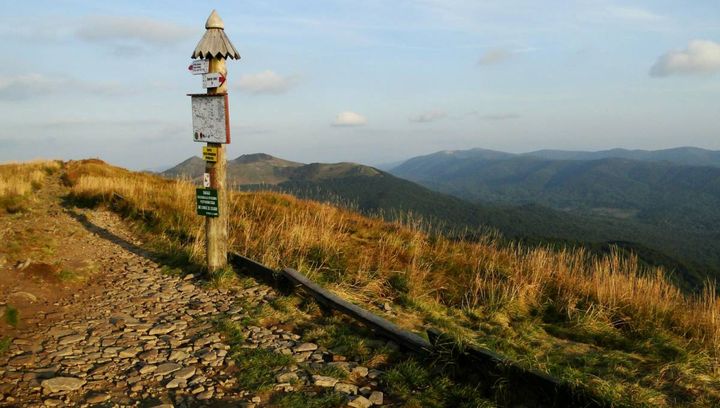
x=222 y=79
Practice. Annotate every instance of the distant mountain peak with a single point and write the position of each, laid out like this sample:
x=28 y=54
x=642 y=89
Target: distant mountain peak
x=254 y=157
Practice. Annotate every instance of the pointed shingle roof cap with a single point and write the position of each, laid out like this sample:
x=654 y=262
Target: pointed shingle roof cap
x=214 y=21
x=215 y=44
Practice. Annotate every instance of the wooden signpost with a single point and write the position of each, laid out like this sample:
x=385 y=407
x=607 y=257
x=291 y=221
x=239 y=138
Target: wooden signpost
x=211 y=125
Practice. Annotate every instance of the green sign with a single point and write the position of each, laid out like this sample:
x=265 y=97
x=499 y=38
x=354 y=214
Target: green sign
x=207 y=202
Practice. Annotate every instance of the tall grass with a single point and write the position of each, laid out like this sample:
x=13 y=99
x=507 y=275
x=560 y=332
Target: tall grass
x=369 y=260
x=22 y=178
x=19 y=180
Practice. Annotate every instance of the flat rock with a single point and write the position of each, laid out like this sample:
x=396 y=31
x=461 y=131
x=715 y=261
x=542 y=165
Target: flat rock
x=58 y=384
x=205 y=395
x=360 y=371
x=306 y=347
x=349 y=389
x=71 y=339
x=148 y=369
x=97 y=398
x=360 y=402
x=163 y=328
x=178 y=355
x=376 y=398
x=287 y=378
x=167 y=368
x=129 y=352
x=323 y=381
x=22 y=360
x=176 y=383
x=185 y=373
x=27 y=296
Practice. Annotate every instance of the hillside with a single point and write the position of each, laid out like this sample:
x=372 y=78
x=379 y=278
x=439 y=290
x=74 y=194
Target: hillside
x=375 y=192
x=671 y=208
x=98 y=310
x=600 y=323
x=688 y=156
x=247 y=169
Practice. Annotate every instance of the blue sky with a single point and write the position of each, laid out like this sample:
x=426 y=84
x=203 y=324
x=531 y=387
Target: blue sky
x=364 y=81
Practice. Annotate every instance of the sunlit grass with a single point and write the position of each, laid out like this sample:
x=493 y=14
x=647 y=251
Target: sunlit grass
x=19 y=180
x=538 y=305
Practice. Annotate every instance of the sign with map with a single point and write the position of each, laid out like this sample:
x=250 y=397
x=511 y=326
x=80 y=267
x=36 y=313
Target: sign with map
x=210 y=118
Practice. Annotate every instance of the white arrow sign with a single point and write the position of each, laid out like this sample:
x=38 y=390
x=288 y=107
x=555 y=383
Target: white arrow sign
x=213 y=80
x=199 y=67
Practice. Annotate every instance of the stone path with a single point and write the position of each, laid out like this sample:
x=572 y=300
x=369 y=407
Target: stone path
x=145 y=339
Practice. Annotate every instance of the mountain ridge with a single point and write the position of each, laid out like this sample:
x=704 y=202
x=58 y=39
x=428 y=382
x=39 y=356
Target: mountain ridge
x=376 y=192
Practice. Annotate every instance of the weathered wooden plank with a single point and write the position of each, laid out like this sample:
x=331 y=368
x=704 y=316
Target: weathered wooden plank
x=381 y=326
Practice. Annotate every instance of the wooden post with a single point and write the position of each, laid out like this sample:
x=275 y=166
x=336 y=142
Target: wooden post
x=216 y=48
x=216 y=228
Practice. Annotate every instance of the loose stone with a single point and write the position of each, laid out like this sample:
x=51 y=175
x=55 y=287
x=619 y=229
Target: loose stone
x=286 y=378
x=167 y=368
x=323 y=381
x=97 y=398
x=346 y=388
x=360 y=402
x=148 y=369
x=72 y=339
x=162 y=329
x=306 y=347
x=205 y=395
x=185 y=373
x=59 y=384
x=376 y=398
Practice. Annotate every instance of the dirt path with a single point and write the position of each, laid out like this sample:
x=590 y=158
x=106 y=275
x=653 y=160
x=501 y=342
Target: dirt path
x=100 y=324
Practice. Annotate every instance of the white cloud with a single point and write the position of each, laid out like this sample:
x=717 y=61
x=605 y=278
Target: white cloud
x=700 y=57
x=633 y=14
x=429 y=116
x=494 y=56
x=266 y=82
x=501 y=116
x=348 y=119
x=140 y=29
x=26 y=86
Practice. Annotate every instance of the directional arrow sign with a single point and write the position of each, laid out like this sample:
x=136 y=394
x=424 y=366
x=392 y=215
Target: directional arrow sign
x=213 y=80
x=199 y=67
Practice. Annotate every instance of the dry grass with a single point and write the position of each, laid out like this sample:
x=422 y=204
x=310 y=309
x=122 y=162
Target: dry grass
x=19 y=181
x=22 y=178
x=535 y=304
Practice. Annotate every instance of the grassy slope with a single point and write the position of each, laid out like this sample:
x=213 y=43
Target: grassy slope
x=392 y=197
x=603 y=323
x=667 y=207
x=374 y=192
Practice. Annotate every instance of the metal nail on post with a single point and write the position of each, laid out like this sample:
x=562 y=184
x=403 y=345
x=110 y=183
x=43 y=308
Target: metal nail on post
x=211 y=125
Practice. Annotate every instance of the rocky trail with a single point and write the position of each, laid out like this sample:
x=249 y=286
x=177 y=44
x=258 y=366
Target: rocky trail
x=131 y=335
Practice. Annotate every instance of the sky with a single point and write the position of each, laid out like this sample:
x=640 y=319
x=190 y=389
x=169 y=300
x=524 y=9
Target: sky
x=364 y=81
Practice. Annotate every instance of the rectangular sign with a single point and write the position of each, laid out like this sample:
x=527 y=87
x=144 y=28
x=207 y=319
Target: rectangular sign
x=210 y=154
x=206 y=180
x=213 y=80
x=207 y=202
x=210 y=118
x=199 y=67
